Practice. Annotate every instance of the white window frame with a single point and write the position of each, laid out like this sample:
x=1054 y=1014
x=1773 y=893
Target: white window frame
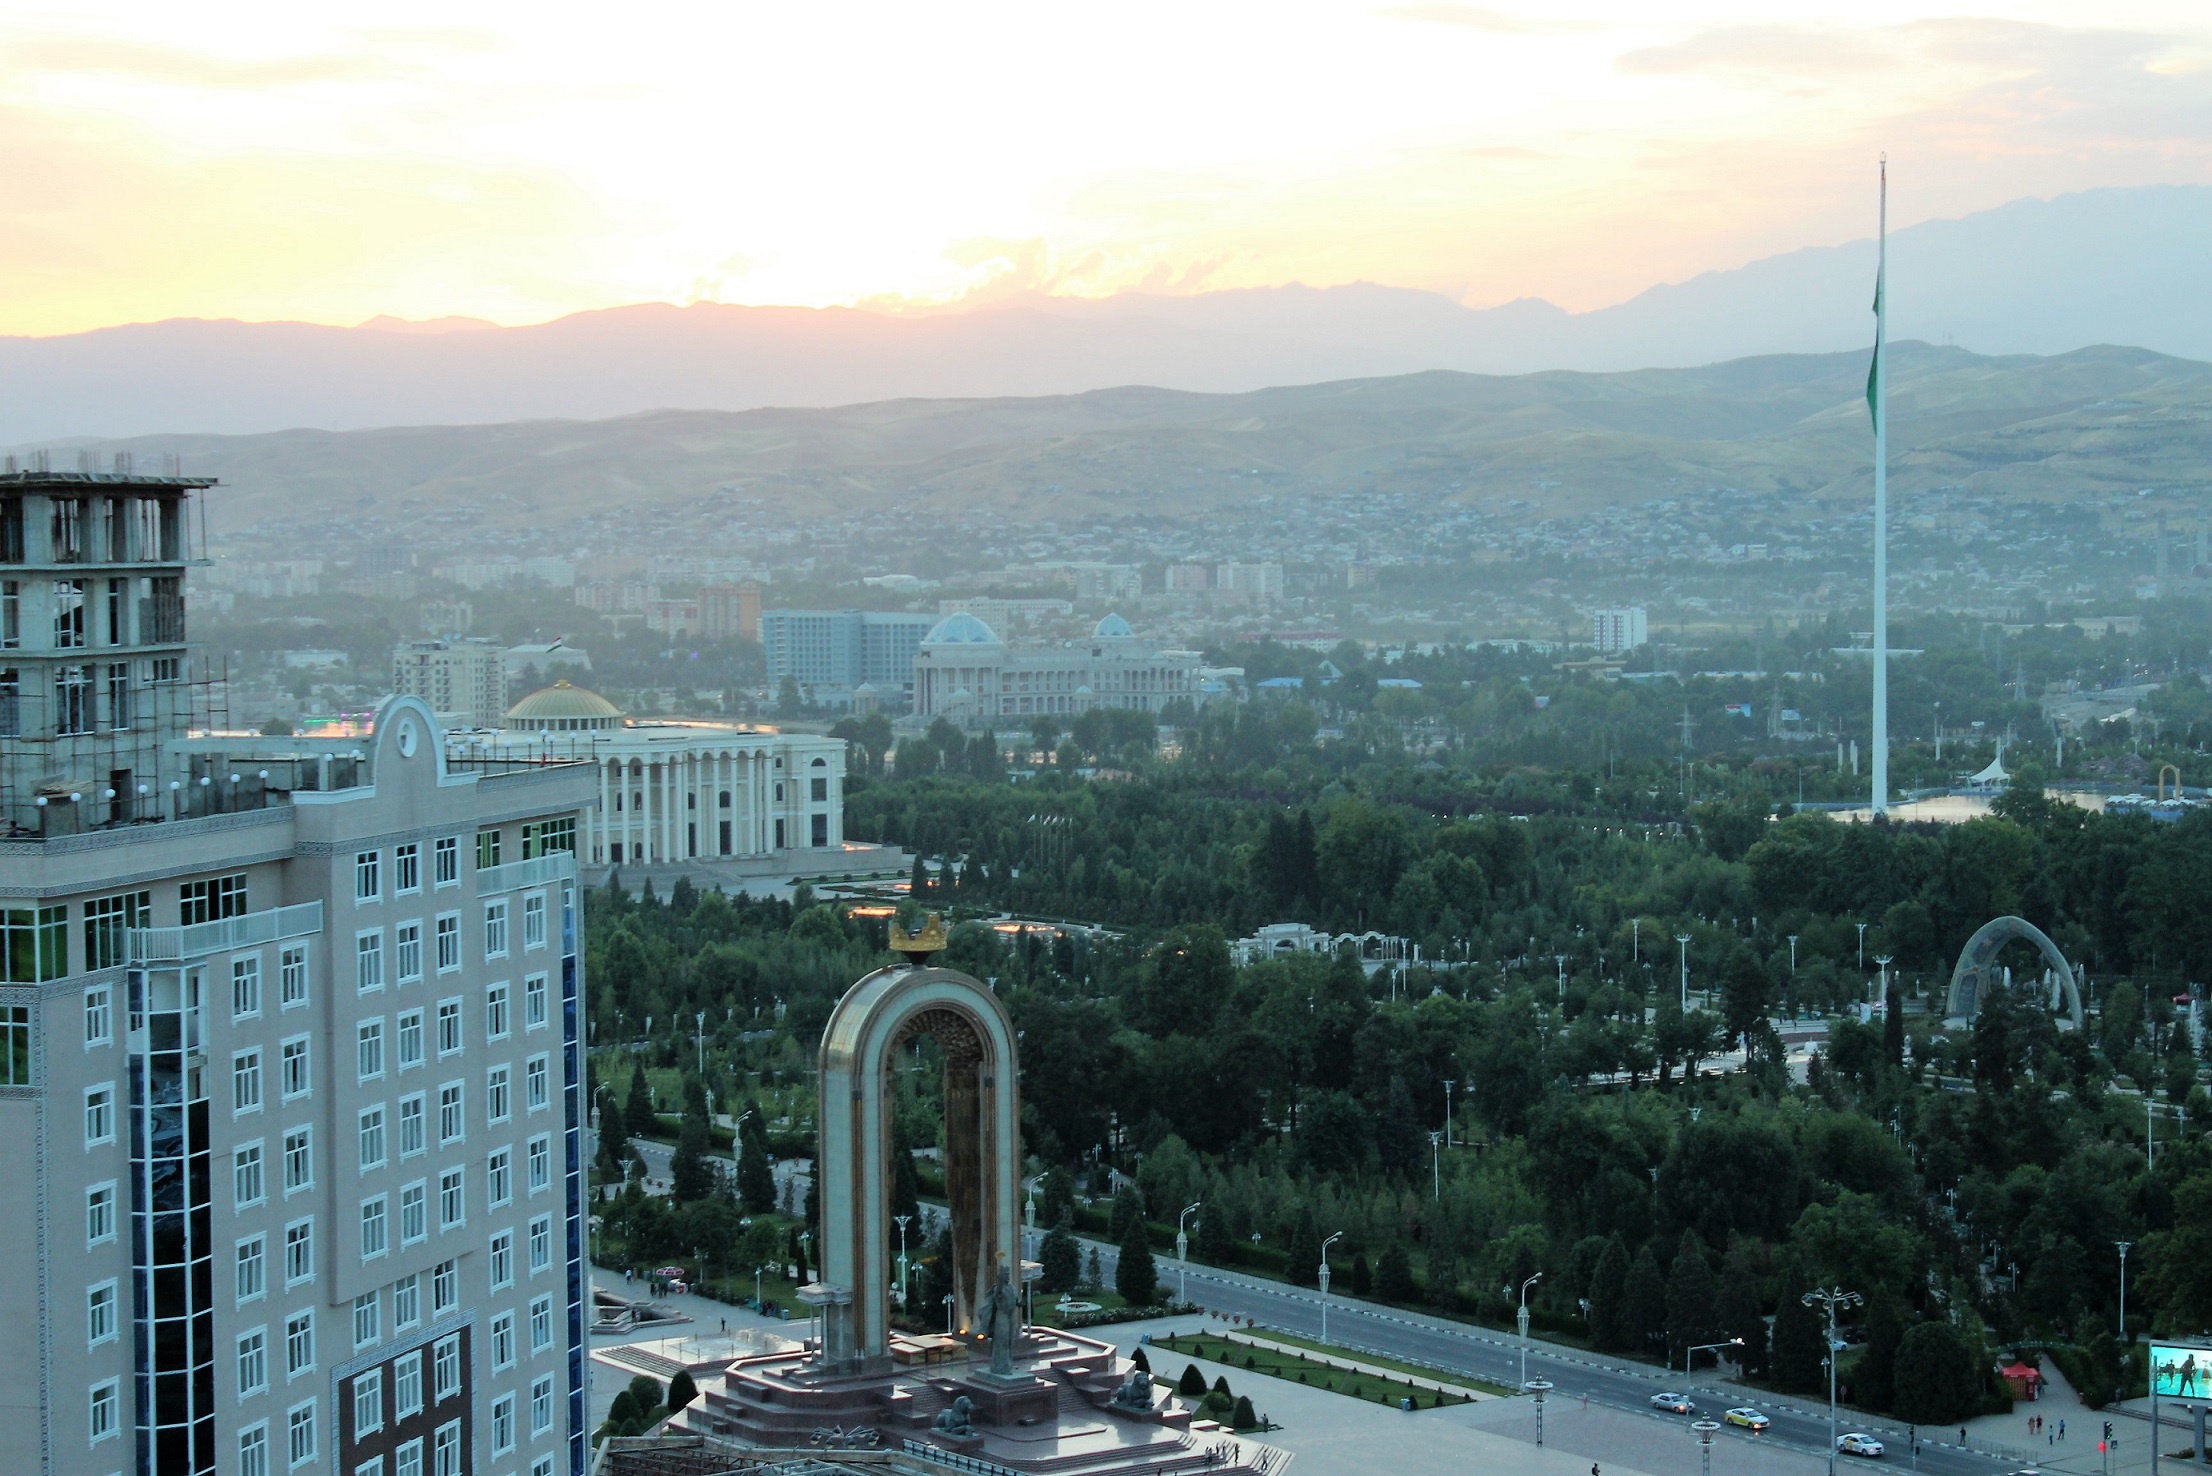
x=99 y=1115
x=247 y=1158
x=498 y=1011
x=293 y=979
x=299 y=1434
x=368 y=877
x=372 y=1147
x=250 y=1269
x=368 y=961
x=104 y=1411
x=533 y=922
x=407 y=869
x=414 y=1200
x=503 y=1341
x=253 y=1360
x=541 y=1404
x=446 y=861
x=420 y=1119
x=408 y=1025
x=99 y=1213
x=245 y=1068
x=295 y=1068
x=445 y=1367
x=299 y=1252
x=453 y=1199
x=537 y=992
x=368 y=1049
x=102 y=1316
x=368 y=1402
x=407 y=1385
x=99 y=1016
x=245 y=986
x=537 y=1082
x=407 y=951
x=447 y=934
x=453 y=1029
x=539 y=1156
x=499 y=1178
x=453 y=1114
x=495 y=929
x=376 y=1227
x=299 y=1344
x=499 y=1264
x=368 y=1320
x=499 y=1093
x=299 y=1160
x=503 y=1425
x=541 y=1244
x=541 y=1325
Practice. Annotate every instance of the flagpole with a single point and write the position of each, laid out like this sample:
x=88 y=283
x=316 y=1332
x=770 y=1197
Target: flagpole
x=1881 y=505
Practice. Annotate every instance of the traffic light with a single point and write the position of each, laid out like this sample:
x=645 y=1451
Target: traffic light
x=2108 y=1430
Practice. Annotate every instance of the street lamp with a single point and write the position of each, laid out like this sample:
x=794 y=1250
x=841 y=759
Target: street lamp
x=1705 y=1429
x=1332 y=1240
x=902 y=1221
x=1862 y=947
x=2123 y=1245
x=1689 y=1356
x=1683 y=939
x=1436 y=1169
x=1448 y=1113
x=1635 y=940
x=703 y=1046
x=1883 y=959
x=1523 y=1319
x=1182 y=1253
x=1538 y=1387
x=948 y=1314
x=1793 y=955
x=1831 y=1298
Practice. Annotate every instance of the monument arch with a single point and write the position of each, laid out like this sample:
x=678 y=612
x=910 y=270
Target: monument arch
x=1977 y=968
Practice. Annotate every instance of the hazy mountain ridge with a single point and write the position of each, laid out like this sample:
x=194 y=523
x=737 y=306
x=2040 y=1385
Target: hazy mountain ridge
x=2107 y=266
x=2094 y=420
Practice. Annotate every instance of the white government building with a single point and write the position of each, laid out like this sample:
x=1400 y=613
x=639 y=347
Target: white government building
x=674 y=790
x=965 y=673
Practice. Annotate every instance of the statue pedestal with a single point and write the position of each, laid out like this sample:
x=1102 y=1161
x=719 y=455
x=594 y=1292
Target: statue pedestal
x=1010 y=1399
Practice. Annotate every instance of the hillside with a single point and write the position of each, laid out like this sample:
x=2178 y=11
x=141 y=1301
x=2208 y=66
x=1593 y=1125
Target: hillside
x=2094 y=420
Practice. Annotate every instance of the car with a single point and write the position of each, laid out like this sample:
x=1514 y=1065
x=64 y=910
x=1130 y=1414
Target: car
x=1859 y=1445
x=1673 y=1403
x=1747 y=1419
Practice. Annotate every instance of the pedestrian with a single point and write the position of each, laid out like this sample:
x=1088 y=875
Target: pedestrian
x=1593 y=1468
x=2062 y=1429
x=1962 y=1434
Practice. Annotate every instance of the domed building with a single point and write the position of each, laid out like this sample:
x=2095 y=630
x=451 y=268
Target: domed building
x=964 y=672
x=675 y=790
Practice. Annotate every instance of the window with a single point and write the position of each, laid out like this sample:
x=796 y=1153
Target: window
x=407 y=945
x=407 y=868
x=452 y=1199
x=498 y=1177
x=536 y=1089
x=495 y=929
x=373 y=1227
x=252 y=1273
x=503 y=1425
x=107 y=1410
x=107 y=921
x=501 y=1260
x=445 y=1449
x=445 y=1287
x=449 y=943
x=299 y=1343
x=368 y=1052
x=299 y=1251
x=487 y=849
x=245 y=1174
x=299 y=1160
x=99 y=1312
x=99 y=1214
x=368 y=1319
x=253 y=1362
x=414 y=1213
x=299 y=1424
x=503 y=1340
x=68 y=612
x=11 y=611
x=368 y=961
x=293 y=964
x=533 y=921
x=495 y=1011
x=245 y=1081
x=99 y=1016
x=541 y=1404
x=542 y=1466
x=368 y=1403
x=547 y=837
x=445 y=1365
x=371 y=1133
x=541 y=1244
x=410 y=1039
x=298 y=1080
x=407 y=1460
x=245 y=986
x=73 y=699
x=533 y=1002
x=34 y=944
x=541 y=1324
x=406 y=1303
x=99 y=1115
x=210 y=900
x=452 y=1124
x=541 y=1163
x=368 y=876
x=411 y=1125
x=406 y=1386
x=449 y=1027
x=447 y=858
x=496 y=1105
x=253 y=1451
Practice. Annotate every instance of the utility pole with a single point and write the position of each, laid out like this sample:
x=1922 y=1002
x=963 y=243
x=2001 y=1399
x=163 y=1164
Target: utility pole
x=1832 y=1298
x=1332 y=1240
x=1448 y=1084
x=1436 y=1149
x=1683 y=939
x=2123 y=1245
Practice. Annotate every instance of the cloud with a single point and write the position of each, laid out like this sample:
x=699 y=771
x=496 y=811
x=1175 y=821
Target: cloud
x=117 y=57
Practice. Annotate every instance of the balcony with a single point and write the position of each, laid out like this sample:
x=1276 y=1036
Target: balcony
x=247 y=930
x=539 y=871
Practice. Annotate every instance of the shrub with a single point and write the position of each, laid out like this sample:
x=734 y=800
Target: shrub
x=1139 y=1361
x=1221 y=1386
x=645 y=1392
x=623 y=1411
x=1243 y=1418
x=1938 y=1375
x=681 y=1390
x=1192 y=1382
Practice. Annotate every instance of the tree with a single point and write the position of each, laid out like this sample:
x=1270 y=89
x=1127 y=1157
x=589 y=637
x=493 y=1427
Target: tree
x=1736 y=1313
x=905 y=1190
x=1062 y=1260
x=1394 y=1273
x=1800 y=1342
x=1362 y=1279
x=1608 y=1284
x=1128 y=1211
x=1192 y=1383
x=637 y=1111
x=1188 y=980
x=756 y=1178
x=681 y=1390
x=1643 y=1303
x=1938 y=1375
x=1744 y=987
x=1136 y=1278
x=690 y=1176
x=1243 y=1418
x=1691 y=1296
x=1302 y=1257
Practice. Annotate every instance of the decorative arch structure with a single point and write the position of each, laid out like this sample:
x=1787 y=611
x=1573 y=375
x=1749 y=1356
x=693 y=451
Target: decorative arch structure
x=1977 y=965
x=877 y=1016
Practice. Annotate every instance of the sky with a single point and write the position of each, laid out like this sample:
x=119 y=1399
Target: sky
x=334 y=162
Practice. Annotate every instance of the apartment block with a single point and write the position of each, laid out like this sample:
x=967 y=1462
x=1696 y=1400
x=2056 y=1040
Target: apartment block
x=466 y=681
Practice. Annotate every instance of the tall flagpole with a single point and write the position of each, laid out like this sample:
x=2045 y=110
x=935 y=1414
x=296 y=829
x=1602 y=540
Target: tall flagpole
x=1878 y=395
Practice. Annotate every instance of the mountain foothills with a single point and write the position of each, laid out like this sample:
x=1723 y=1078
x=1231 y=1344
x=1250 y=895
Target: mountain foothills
x=2093 y=420
x=2031 y=277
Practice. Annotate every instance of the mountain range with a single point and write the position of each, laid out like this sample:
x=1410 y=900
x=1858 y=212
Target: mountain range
x=2117 y=266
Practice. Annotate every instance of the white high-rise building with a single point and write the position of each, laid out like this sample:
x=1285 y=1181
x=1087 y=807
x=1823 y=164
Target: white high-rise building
x=1253 y=581
x=464 y=682
x=1615 y=631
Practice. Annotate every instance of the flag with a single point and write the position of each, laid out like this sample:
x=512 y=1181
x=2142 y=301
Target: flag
x=1881 y=321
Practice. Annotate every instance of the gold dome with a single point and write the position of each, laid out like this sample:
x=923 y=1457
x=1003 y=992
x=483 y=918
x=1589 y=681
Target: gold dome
x=562 y=708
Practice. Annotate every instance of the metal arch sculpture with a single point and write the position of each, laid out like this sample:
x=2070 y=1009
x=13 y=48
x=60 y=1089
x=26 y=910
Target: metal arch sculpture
x=1972 y=976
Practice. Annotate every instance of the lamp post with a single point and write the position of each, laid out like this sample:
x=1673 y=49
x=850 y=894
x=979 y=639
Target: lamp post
x=902 y=1222
x=1538 y=1387
x=1182 y=1252
x=1683 y=940
x=2123 y=1245
x=1832 y=1298
x=1862 y=947
x=1436 y=1169
x=1332 y=1240
x=756 y=1288
x=1705 y=1429
x=948 y=1314
x=1523 y=1320
x=703 y=1047
x=1448 y=1113
x=1793 y=955
x=1689 y=1357
x=1635 y=940
x=1883 y=959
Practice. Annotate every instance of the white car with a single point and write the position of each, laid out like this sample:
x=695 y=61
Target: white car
x=1673 y=1403
x=1859 y=1445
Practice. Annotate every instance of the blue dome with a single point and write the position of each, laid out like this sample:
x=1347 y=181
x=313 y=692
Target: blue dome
x=962 y=629
x=1111 y=628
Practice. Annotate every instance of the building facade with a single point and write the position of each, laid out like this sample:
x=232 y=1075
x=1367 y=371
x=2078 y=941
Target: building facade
x=966 y=674
x=673 y=791
x=831 y=652
x=1615 y=631
x=1250 y=581
x=466 y=681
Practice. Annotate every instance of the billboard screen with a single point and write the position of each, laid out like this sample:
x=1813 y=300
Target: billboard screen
x=2179 y=1372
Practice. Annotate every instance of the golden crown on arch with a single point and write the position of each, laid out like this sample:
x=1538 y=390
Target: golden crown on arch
x=919 y=943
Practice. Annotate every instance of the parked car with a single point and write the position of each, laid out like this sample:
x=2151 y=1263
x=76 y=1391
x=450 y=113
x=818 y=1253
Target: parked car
x=1859 y=1445
x=1747 y=1419
x=1673 y=1403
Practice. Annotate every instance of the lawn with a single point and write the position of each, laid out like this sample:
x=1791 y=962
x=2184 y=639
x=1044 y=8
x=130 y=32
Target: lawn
x=1298 y=1370
x=1418 y=1370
